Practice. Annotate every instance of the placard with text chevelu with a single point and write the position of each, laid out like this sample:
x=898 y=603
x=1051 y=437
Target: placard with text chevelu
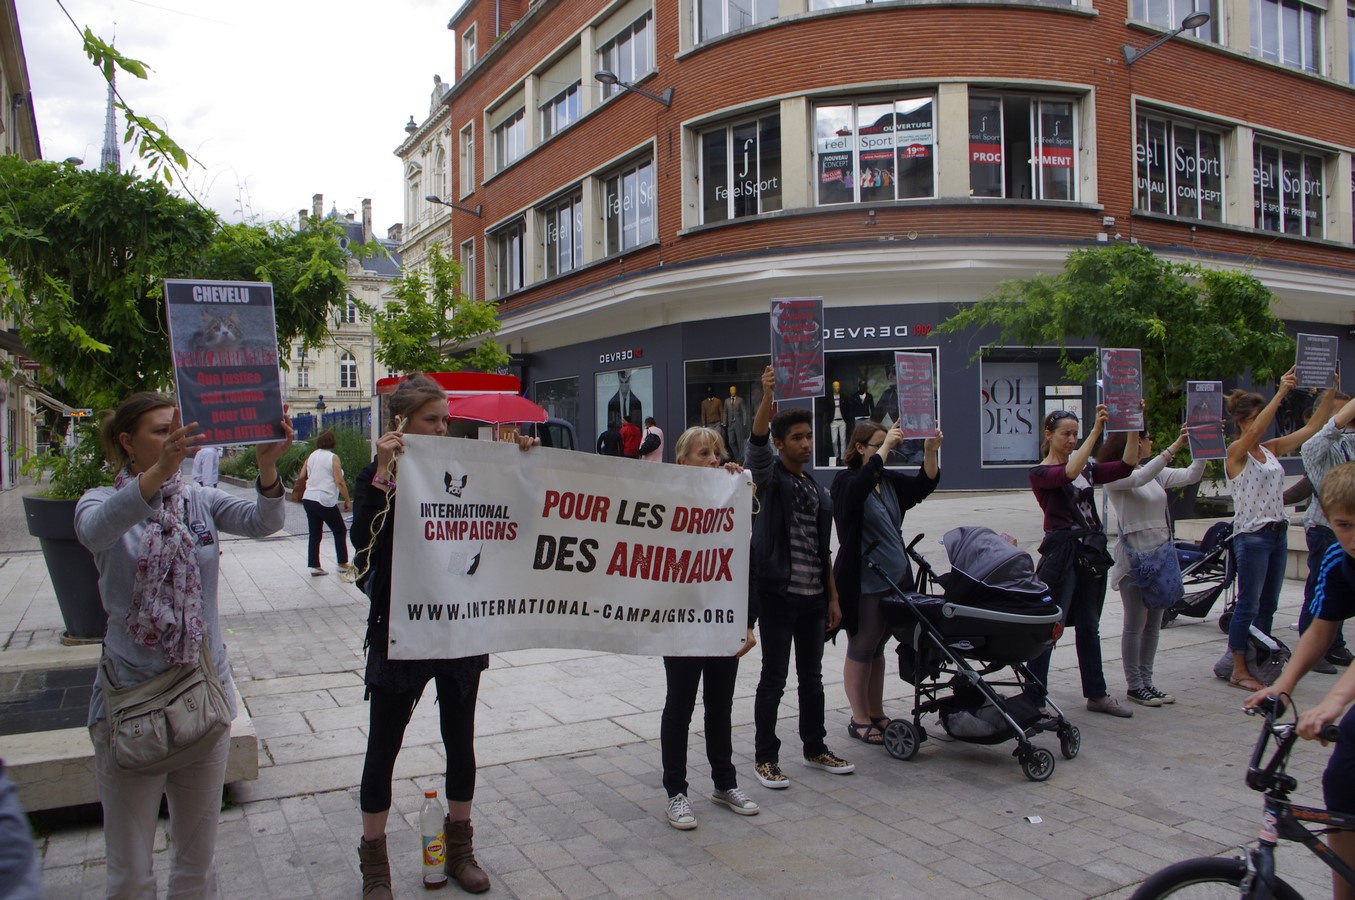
x=224 y=339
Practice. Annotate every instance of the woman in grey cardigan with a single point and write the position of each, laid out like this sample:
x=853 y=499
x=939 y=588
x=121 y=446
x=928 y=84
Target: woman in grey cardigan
x=1140 y=503
x=154 y=536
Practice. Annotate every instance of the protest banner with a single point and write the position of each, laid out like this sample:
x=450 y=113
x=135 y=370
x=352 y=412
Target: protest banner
x=224 y=342
x=1122 y=389
x=1316 y=360
x=797 y=347
x=1204 y=419
x=917 y=394
x=496 y=549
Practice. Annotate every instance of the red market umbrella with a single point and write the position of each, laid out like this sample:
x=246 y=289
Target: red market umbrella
x=495 y=409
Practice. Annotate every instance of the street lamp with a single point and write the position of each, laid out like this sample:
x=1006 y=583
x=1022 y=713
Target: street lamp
x=606 y=77
x=1189 y=23
x=434 y=198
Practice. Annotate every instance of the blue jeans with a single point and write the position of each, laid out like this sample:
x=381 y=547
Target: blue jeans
x=1081 y=597
x=1261 y=557
x=1319 y=538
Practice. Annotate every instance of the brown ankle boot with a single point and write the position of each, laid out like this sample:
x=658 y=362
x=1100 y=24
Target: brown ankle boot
x=376 y=869
x=461 y=863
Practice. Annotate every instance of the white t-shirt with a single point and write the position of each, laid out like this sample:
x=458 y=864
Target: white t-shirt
x=320 y=484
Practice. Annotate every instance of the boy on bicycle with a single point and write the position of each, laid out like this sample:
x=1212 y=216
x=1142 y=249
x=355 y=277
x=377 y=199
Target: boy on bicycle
x=1333 y=602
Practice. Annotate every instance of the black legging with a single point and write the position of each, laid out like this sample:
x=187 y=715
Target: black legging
x=317 y=516
x=684 y=673
x=390 y=714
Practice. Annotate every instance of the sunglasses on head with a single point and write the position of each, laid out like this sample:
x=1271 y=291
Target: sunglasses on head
x=1056 y=416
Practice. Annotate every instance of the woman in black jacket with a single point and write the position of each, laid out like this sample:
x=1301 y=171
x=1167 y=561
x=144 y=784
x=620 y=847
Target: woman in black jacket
x=868 y=506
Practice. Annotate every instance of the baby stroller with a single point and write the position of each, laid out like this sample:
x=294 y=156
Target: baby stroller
x=1207 y=570
x=994 y=615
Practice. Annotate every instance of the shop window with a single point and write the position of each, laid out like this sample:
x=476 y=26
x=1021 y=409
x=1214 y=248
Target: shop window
x=861 y=385
x=562 y=234
x=717 y=17
x=628 y=54
x=1169 y=14
x=628 y=206
x=1022 y=148
x=509 y=264
x=559 y=397
x=559 y=111
x=1287 y=189
x=1287 y=32
x=1179 y=169
x=510 y=140
x=876 y=150
x=723 y=394
x=741 y=169
x=624 y=394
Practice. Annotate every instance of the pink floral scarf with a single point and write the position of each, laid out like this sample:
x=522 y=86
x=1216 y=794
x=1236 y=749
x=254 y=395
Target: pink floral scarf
x=166 y=609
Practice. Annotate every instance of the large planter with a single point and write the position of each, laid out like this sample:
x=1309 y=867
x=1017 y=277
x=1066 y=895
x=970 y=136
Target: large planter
x=74 y=575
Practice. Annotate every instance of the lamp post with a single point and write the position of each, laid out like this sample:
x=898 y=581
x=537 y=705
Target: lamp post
x=609 y=78
x=1189 y=23
x=434 y=198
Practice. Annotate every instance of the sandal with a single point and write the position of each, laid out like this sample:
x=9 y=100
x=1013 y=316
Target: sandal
x=881 y=722
x=866 y=734
x=1246 y=683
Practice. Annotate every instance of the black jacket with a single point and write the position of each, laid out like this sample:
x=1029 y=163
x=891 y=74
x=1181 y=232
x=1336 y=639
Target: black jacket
x=851 y=489
x=770 y=563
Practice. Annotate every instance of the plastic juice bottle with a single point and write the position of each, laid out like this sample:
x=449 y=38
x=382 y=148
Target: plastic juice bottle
x=432 y=824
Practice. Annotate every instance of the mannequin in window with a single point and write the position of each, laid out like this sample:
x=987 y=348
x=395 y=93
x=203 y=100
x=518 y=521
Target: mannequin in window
x=624 y=405
x=887 y=407
x=859 y=405
x=712 y=410
x=736 y=423
x=837 y=428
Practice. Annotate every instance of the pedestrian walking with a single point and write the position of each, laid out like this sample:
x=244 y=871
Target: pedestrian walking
x=207 y=466
x=325 y=484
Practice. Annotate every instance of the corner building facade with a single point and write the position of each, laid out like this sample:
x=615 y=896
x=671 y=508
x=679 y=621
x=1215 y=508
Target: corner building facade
x=894 y=157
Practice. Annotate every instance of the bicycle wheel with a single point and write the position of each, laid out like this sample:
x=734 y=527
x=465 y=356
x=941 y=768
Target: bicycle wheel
x=1204 y=879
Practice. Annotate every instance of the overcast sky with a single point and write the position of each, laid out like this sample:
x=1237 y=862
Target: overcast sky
x=277 y=99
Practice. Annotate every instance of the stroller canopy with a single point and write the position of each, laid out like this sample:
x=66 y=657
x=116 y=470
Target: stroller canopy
x=987 y=570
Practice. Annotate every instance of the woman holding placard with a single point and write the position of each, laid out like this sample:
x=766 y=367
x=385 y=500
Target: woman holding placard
x=1260 y=525
x=154 y=536
x=1145 y=556
x=702 y=446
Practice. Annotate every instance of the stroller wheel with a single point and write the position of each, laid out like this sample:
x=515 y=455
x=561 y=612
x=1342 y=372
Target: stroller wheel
x=1070 y=741
x=1037 y=764
x=1168 y=617
x=902 y=739
x=1225 y=620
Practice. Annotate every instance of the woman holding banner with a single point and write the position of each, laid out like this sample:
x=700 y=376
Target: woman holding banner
x=868 y=506
x=1140 y=504
x=1074 y=558
x=1260 y=525
x=418 y=406
x=154 y=536
x=702 y=446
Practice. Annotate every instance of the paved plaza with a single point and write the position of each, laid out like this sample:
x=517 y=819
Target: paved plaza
x=569 y=801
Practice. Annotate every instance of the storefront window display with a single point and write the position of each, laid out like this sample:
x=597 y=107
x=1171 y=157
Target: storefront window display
x=723 y=394
x=861 y=385
x=623 y=394
x=559 y=397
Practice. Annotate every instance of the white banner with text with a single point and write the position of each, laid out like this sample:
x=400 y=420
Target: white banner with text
x=496 y=549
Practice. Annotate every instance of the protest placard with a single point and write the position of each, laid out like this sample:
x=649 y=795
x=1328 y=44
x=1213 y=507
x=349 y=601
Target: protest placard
x=797 y=347
x=496 y=549
x=1122 y=388
x=224 y=341
x=1316 y=360
x=1204 y=419
x=917 y=394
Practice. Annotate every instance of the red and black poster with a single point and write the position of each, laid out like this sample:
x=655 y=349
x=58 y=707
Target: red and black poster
x=1122 y=389
x=224 y=340
x=917 y=394
x=797 y=347
x=1204 y=419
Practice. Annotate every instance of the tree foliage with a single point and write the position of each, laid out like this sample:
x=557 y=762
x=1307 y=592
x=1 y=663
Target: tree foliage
x=86 y=253
x=431 y=318
x=1189 y=322
x=150 y=141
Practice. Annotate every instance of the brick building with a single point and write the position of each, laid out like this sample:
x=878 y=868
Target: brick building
x=894 y=158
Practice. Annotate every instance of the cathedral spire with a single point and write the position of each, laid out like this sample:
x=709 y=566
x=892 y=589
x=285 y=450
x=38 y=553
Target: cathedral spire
x=110 y=158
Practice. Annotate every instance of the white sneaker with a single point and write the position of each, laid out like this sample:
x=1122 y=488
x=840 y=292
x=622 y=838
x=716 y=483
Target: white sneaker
x=680 y=814
x=736 y=800
x=316 y=570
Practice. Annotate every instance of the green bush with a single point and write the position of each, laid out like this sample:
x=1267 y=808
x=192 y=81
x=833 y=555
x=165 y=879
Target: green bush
x=354 y=449
x=243 y=464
